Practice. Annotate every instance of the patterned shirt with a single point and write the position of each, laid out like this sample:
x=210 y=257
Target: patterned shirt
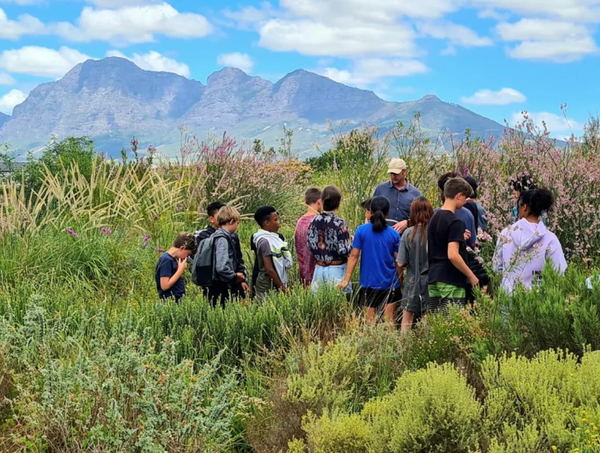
x=329 y=238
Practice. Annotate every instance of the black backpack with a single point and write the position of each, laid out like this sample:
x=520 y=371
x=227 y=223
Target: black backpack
x=203 y=266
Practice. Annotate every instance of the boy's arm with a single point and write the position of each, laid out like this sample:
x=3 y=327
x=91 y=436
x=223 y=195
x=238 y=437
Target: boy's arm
x=459 y=262
x=167 y=282
x=223 y=267
x=240 y=256
x=352 y=262
x=272 y=273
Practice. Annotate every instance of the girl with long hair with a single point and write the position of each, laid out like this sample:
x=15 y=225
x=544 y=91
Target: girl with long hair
x=412 y=257
x=376 y=244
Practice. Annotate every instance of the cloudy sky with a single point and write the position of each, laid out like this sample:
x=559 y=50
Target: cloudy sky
x=496 y=57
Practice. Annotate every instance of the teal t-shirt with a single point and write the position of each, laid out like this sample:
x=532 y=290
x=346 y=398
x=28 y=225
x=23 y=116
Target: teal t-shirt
x=377 y=262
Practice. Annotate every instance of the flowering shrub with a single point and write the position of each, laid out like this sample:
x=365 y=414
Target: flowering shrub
x=224 y=170
x=570 y=171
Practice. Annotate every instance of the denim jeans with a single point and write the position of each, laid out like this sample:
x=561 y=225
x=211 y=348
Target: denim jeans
x=329 y=275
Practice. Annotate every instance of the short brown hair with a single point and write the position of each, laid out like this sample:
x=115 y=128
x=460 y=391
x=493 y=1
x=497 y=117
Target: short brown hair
x=312 y=195
x=186 y=240
x=457 y=185
x=332 y=197
x=226 y=214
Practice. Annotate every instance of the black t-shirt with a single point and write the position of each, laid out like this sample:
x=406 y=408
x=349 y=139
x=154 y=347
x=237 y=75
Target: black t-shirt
x=444 y=228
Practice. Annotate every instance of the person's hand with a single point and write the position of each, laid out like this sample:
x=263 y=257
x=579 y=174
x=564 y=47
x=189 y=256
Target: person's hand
x=474 y=281
x=246 y=288
x=239 y=277
x=467 y=235
x=343 y=285
x=182 y=264
x=400 y=226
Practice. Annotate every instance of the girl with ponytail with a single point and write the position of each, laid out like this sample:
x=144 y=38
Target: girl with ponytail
x=376 y=245
x=524 y=247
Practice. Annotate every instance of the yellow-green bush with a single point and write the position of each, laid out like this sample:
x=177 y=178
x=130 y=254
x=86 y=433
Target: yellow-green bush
x=539 y=395
x=339 y=433
x=433 y=410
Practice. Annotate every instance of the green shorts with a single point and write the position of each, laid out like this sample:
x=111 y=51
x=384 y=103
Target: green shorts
x=442 y=294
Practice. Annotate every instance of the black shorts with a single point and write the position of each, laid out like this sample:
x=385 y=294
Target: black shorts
x=378 y=298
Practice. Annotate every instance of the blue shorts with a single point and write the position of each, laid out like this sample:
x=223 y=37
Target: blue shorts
x=329 y=275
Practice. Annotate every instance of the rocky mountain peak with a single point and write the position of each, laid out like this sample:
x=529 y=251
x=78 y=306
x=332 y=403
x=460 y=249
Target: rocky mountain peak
x=113 y=99
x=430 y=98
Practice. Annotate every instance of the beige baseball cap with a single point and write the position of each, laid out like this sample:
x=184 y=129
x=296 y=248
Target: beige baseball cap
x=396 y=166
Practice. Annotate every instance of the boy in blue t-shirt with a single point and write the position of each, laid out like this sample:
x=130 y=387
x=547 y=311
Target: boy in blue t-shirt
x=376 y=244
x=171 y=265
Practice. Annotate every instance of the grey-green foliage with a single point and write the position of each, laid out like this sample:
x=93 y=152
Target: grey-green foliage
x=89 y=391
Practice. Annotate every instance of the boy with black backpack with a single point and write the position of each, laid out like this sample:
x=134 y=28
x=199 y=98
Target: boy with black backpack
x=217 y=266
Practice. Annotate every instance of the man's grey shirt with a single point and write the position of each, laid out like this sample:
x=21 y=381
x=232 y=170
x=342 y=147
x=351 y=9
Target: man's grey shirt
x=400 y=200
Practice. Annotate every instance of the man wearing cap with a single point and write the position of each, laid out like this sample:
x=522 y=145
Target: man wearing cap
x=400 y=193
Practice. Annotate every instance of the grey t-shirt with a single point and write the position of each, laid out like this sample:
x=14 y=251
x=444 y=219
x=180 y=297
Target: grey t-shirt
x=410 y=249
x=264 y=283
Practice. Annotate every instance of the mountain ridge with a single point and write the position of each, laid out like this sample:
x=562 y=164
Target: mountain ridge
x=113 y=99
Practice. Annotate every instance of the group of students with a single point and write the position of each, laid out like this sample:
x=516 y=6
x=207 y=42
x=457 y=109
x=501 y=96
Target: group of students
x=410 y=254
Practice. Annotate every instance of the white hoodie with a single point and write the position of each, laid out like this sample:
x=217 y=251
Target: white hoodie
x=522 y=251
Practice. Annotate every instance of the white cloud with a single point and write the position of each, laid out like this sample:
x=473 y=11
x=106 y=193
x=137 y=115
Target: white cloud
x=10 y=100
x=41 y=61
x=6 y=79
x=573 y=10
x=238 y=60
x=24 y=25
x=556 y=124
x=373 y=10
x=121 y=3
x=504 y=96
x=564 y=51
x=345 y=38
x=547 y=39
x=540 y=30
x=22 y=2
x=133 y=24
x=454 y=33
x=251 y=17
x=370 y=70
x=154 y=61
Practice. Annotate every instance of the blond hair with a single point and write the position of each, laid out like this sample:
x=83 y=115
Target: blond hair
x=227 y=214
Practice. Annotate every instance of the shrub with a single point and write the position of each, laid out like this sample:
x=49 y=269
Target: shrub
x=560 y=313
x=338 y=433
x=432 y=409
x=220 y=169
x=116 y=394
x=532 y=401
x=565 y=170
x=58 y=155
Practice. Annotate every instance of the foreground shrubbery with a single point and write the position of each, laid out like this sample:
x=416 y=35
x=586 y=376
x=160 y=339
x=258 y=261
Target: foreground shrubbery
x=530 y=405
x=91 y=361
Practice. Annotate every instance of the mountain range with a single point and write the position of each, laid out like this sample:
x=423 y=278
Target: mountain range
x=113 y=100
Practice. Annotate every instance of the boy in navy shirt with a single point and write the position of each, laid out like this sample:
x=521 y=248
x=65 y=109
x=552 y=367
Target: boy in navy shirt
x=171 y=266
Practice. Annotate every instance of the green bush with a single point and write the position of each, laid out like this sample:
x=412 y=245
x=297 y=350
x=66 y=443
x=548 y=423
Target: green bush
x=78 y=151
x=532 y=401
x=112 y=393
x=433 y=409
x=560 y=313
x=338 y=433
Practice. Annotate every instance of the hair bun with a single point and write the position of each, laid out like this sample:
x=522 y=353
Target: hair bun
x=542 y=200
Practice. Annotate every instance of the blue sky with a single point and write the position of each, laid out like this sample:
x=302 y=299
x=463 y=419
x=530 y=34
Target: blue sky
x=496 y=57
